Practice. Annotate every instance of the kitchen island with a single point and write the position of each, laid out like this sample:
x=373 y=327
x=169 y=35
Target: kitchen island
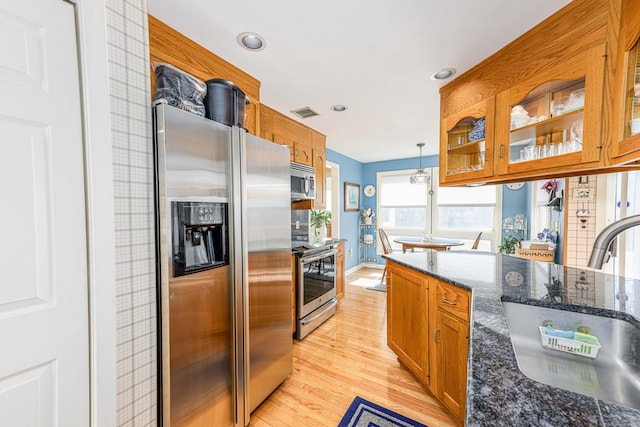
x=498 y=393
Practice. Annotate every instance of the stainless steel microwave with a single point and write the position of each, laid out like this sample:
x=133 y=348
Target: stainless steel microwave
x=303 y=182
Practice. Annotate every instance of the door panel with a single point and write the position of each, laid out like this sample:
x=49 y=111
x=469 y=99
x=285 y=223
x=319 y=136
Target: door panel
x=44 y=365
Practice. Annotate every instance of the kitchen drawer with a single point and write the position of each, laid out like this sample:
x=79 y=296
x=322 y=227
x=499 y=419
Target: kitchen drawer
x=453 y=299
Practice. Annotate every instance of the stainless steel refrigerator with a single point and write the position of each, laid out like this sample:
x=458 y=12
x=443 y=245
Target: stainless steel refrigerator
x=224 y=269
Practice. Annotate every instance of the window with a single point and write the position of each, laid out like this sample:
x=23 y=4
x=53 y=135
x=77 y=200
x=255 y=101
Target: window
x=454 y=212
x=401 y=206
x=466 y=208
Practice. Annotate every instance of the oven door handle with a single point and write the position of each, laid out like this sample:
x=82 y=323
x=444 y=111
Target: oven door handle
x=311 y=258
x=325 y=308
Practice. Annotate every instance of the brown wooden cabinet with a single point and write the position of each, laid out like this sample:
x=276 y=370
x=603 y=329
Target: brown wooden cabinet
x=319 y=163
x=304 y=143
x=428 y=329
x=266 y=122
x=626 y=141
x=287 y=131
x=597 y=61
x=306 y=146
x=451 y=341
x=407 y=318
x=553 y=120
x=340 y=272
x=466 y=154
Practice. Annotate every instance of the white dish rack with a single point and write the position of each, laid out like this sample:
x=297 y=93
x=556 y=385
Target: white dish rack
x=568 y=345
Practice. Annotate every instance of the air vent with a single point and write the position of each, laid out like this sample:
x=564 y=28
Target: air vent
x=305 y=113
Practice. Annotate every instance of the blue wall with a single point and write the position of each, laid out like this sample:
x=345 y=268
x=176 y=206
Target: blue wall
x=351 y=170
x=517 y=202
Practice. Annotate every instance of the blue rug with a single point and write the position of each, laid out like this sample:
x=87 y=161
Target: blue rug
x=363 y=413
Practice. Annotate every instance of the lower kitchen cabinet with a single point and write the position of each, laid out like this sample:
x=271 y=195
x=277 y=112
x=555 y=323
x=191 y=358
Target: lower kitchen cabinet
x=451 y=337
x=428 y=329
x=407 y=318
x=340 y=271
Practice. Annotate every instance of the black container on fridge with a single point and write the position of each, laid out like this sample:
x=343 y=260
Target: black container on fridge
x=225 y=102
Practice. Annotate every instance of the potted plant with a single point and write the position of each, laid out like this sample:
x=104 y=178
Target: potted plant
x=508 y=245
x=318 y=223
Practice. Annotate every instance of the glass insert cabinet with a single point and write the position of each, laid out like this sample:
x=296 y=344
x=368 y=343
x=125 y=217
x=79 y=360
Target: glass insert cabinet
x=552 y=120
x=627 y=111
x=466 y=142
x=547 y=123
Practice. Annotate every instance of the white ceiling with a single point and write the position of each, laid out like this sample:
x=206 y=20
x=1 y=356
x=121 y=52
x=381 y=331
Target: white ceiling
x=375 y=56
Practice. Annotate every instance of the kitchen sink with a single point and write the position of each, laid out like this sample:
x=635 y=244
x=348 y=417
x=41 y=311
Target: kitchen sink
x=614 y=375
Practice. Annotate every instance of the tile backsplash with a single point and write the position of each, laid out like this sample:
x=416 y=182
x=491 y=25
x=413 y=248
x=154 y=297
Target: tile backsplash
x=580 y=230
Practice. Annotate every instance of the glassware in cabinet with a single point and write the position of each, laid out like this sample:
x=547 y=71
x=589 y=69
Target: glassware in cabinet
x=466 y=140
x=552 y=122
x=548 y=122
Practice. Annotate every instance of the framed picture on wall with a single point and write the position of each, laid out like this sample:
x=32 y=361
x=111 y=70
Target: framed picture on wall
x=351 y=197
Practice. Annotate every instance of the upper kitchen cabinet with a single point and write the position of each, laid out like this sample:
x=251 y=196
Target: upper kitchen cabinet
x=298 y=137
x=553 y=120
x=319 y=163
x=306 y=146
x=171 y=47
x=626 y=132
x=466 y=143
x=278 y=128
x=546 y=84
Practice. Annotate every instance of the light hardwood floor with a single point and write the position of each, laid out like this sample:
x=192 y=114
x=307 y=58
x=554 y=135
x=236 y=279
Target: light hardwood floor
x=346 y=357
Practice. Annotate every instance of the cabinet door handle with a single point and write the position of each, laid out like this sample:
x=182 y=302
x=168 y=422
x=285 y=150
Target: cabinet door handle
x=435 y=335
x=500 y=148
x=446 y=301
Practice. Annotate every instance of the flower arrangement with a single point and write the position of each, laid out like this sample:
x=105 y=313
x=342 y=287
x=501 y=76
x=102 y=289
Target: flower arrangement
x=548 y=236
x=550 y=186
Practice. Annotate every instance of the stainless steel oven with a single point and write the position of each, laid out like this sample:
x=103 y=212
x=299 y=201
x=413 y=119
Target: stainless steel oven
x=316 y=288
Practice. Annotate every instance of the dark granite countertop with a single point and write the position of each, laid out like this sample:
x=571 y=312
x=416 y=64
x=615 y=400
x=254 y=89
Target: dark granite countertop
x=498 y=393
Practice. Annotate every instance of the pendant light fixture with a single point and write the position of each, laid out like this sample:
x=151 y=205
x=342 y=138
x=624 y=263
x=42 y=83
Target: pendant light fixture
x=420 y=177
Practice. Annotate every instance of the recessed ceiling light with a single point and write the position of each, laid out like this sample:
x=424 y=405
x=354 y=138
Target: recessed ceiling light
x=251 y=41
x=338 y=107
x=443 y=74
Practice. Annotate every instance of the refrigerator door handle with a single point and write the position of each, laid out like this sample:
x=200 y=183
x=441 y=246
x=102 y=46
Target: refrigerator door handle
x=240 y=273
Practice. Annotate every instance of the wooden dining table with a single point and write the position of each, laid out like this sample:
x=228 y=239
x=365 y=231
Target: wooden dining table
x=436 y=243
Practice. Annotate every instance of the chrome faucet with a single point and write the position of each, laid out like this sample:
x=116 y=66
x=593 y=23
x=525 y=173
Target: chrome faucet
x=600 y=252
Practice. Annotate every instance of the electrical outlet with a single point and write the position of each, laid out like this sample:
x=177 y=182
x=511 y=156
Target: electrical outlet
x=350 y=253
x=297 y=225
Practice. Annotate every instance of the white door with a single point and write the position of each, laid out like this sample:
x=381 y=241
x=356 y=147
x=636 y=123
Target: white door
x=44 y=363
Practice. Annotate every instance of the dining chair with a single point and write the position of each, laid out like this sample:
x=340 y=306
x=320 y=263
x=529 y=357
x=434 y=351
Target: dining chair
x=477 y=242
x=386 y=247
